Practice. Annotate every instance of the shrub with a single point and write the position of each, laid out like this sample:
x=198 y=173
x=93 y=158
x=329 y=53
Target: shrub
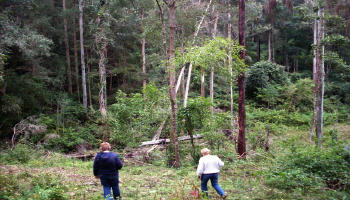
x=298 y=96
x=70 y=138
x=262 y=74
x=136 y=117
x=22 y=153
x=312 y=167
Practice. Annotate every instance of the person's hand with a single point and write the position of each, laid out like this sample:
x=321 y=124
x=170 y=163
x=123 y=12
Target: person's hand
x=97 y=177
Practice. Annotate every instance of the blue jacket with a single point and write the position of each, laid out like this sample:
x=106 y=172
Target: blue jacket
x=107 y=163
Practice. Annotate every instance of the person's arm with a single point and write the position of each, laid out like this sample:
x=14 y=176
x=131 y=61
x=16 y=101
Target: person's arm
x=200 y=168
x=220 y=163
x=96 y=166
x=118 y=162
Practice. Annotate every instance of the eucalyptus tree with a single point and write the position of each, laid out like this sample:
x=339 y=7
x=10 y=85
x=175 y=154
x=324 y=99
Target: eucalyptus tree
x=82 y=53
x=171 y=71
x=75 y=50
x=102 y=23
x=241 y=147
x=66 y=42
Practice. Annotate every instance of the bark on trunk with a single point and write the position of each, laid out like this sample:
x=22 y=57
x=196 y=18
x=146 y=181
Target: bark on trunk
x=320 y=80
x=212 y=68
x=75 y=49
x=258 y=50
x=89 y=78
x=269 y=47
x=163 y=31
x=241 y=101
x=69 y=70
x=101 y=48
x=143 y=44
x=82 y=56
x=314 y=77
x=229 y=34
x=173 y=133
x=202 y=82
x=211 y=90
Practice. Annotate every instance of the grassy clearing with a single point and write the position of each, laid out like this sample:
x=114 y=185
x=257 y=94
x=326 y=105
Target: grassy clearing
x=48 y=175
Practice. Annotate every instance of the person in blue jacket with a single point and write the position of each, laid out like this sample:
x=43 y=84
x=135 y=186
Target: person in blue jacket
x=106 y=166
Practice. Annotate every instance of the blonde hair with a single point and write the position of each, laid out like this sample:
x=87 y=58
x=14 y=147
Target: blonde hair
x=205 y=151
x=105 y=146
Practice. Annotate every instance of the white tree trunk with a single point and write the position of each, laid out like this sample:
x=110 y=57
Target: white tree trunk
x=82 y=56
x=202 y=82
x=190 y=67
x=320 y=81
x=314 y=76
x=143 y=52
x=229 y=33
x=212 y=68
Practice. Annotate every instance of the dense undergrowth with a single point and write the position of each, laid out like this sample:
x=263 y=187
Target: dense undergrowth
x=292 y=169
x=280 y=105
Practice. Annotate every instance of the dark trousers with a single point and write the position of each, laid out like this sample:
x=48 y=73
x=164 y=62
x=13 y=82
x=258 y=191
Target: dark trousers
x=108 y=182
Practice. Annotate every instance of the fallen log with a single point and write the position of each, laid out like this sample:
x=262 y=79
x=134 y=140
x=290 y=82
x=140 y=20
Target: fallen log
x=82 y=156
x=165 y=141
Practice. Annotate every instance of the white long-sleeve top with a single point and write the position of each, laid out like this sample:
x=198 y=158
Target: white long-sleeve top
x=209 y=164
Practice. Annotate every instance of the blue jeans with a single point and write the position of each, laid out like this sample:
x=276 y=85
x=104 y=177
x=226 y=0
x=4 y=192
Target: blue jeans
x=214 y=182
x=108 y=182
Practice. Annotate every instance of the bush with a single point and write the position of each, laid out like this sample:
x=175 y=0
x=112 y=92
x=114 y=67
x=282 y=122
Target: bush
x=308 y=167
x=298 y=96
x=136 y=117
x=262 y=74
x=69 y=139
x=22 y=153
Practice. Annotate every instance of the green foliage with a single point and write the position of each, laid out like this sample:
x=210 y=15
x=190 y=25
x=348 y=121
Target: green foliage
x=43 y=187
x=130 y=119
x=22 y=153
x=263 y=74
x=69 y=139
x=193 y=116
x=214 y=53
x=212 y=130
x=311 y=167
x=299 y=96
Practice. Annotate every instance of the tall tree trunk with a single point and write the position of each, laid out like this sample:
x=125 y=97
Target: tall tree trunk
x=143 y=46
x=258 y=49
x=229 y=34
x=101 y=48
x=163 y=31
x=89 y=78
x=212 y=68
x=269 y=46
x=241 y=101
x=75 y=48
x=314 y=70
x=171 y=71
x=82 y=56
x=69 y=70
x=202 y=82
x=320 y=79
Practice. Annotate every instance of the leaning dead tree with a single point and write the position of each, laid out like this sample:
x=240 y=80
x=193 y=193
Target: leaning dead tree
x=26 y=128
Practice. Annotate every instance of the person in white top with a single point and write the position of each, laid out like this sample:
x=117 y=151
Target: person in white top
x=208 y=169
